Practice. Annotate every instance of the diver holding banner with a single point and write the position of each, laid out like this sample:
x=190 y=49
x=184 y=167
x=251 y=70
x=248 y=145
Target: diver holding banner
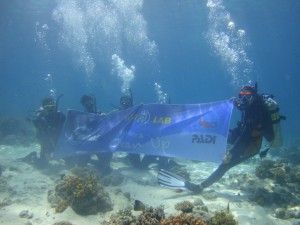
x=246 y=140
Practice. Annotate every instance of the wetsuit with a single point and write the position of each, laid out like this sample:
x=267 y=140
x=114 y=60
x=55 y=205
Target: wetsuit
x=49 y=125
x=246 y=141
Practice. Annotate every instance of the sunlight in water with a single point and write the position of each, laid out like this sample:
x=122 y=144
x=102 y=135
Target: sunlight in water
x=162 y=97
x=126 y=74
x=40 y=35
x=50 y=85
x=229 y=43
x=94 y=30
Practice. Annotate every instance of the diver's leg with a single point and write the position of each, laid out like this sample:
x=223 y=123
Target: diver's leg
x=44 y=159
x=104 y=159
x=163 y=162
x=167 y=163
x=82 y=160
x=220 y=171
x=134 y=159
x=147 y=160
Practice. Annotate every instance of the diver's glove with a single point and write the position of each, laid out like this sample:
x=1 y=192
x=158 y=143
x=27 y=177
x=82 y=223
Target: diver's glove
x=197 y=189
x=227 y=158
x=263 y=153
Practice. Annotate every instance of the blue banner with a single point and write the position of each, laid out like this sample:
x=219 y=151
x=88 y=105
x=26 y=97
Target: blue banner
x=195 y=131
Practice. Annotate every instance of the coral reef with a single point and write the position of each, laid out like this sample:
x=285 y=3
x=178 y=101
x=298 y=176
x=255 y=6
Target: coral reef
x=263 y=169
x=153 y=216
x=184 y=206
x=278 y=171
x=292 y=154
x=85 y=195
x=123 y=217
x=291 y=212
x=281 y=186
x=183 y=219
x=295 y=174
x=222 y=218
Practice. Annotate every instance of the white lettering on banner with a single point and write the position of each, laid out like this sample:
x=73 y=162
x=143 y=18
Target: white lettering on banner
x=160 y=144
x=130 y=145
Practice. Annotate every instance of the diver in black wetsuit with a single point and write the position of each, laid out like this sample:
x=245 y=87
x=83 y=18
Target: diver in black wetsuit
x=246 y=138
x=104 y=158
x=126 y=101
x=48 y=123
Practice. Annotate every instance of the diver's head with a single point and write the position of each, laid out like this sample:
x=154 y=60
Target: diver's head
x=49 y=104
x=247 y=96
x=89 y=103
x=126 y=101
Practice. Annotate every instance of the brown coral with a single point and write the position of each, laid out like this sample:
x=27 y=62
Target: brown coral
x=81 y=187
x=85 y=195
x=183 y=219
x=184 y=206
x=223 y=217
x=153 y=216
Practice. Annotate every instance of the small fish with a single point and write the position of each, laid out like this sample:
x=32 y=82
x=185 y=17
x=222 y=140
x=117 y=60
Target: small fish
x=138 y=206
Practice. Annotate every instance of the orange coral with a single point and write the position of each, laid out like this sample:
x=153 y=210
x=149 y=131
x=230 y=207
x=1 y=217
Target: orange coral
x=183 y=219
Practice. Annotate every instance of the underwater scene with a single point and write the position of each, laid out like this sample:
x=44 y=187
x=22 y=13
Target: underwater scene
x=149 y=112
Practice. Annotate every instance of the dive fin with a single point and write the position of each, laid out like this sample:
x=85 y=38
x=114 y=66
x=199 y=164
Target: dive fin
x=171 y=180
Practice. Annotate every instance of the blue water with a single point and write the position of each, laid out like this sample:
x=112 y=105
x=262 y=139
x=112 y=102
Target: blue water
x=186 y=50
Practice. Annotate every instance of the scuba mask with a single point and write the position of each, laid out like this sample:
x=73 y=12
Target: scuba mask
x=49 y=104
x=246 y=97
x=126 y=102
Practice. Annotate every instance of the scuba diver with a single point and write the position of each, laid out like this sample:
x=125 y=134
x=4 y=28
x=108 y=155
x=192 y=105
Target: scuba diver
x=89 y=103
x=246 y=140
x=104 y=158
x=126 y=101
x=48 y=122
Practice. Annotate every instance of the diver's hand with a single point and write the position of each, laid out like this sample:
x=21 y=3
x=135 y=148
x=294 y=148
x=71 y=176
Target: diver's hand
x=227 y=158
x=263 y=154
x=197 y=189
x=233 y=99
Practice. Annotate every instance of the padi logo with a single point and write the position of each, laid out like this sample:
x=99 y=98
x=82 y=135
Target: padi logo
x=204 y=139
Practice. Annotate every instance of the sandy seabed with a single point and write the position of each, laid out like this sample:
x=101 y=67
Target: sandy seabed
x=24 y=188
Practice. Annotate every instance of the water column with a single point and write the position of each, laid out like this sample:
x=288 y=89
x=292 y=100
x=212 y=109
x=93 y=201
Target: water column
x=229 y=43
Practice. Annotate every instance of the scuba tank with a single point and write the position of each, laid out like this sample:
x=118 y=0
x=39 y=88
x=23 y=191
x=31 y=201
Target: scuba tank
x=273 y=110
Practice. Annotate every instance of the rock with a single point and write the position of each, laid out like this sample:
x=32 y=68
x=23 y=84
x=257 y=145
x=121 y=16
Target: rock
x=26 y=214
x=293 y=212
x=280 y=213
x=63 y=223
